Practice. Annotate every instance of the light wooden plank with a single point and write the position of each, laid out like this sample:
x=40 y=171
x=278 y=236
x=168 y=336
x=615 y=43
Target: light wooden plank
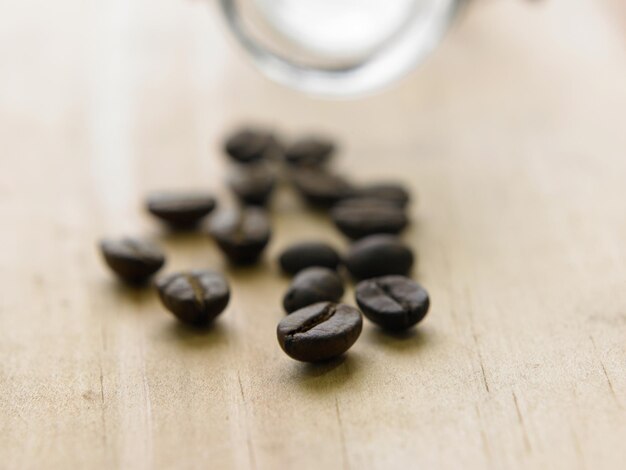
x=512 y=136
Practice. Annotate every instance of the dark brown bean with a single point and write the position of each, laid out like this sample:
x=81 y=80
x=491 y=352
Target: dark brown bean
x=242 y=234
x=358 y=218
x=321 y=188
x=132 y=259
x=306 y=254
x=195 y=297
x=252 y=184
x=180 y=209
x=320 y=331
x=310 y=151
x=379 y=255
x=249 y=145
x=392 y=302
x=392 y=192
x=313 y=285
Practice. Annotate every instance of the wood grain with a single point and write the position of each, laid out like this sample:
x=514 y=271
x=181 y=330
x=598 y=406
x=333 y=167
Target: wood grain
x=512 y=136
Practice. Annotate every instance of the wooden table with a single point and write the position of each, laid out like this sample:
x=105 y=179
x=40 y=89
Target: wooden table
x=513 y=135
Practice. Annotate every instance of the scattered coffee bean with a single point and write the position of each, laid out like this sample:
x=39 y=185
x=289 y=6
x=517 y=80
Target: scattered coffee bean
x=242 y=234
x=359 y=202
x=392 y=192
x=393 y=302
x=252 y=184
x=132 y=259
x=308 y=254
x=358 y=218
x=313 y=285
x=309 y=151
x=378 y=255
x=180 y=210
x=251 y=145
x=195 y=297
x=317 y=327
x=320 y=331
x=321 y=188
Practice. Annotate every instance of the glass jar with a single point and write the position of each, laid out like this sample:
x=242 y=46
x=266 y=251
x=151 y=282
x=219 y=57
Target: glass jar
x=338 y=48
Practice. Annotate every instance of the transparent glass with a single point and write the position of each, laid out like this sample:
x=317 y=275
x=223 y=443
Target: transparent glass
x=338 y=48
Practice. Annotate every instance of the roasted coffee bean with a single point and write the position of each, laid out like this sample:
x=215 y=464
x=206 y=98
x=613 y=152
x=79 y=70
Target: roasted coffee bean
x=184 y=209
x=252 y=184
x=321 y=188
x=378 y=255
x=250 y=145
x=359 y=202
x=309 y=151
x=132 y=259
x=313 y=285
x=392 y=192
x=358 y=218
x=304 y=255
x=242 y=234
x=320 y=331
x=393 y=302
x=195 y=297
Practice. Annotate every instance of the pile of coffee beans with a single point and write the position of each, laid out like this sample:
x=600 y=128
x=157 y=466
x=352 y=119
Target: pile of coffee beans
x=318 y=325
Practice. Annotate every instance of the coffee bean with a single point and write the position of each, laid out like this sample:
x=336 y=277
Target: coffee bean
x=320 y=331
x=358 y=218
x=184 y=209
x=250 y=145
x=378 y=255
x=392 y=192
x=132 y=259
x=321 y=188
x=195 y=297
x=252 y=184
x=393 y=302
x=313 y=285
x=242 y=234
x=360 y=202
x=304 y=255
x=309 y=151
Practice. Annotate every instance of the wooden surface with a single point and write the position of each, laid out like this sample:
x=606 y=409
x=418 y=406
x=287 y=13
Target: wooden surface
x=513 y=136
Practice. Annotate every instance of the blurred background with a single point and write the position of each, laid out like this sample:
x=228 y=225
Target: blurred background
x=129 y=91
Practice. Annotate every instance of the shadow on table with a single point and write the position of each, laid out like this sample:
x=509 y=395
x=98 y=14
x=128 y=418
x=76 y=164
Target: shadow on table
x=136 y=295
x=183 y=236
x=402 y=342
x=190 y=337
x=327 y=376
x=249 y=272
